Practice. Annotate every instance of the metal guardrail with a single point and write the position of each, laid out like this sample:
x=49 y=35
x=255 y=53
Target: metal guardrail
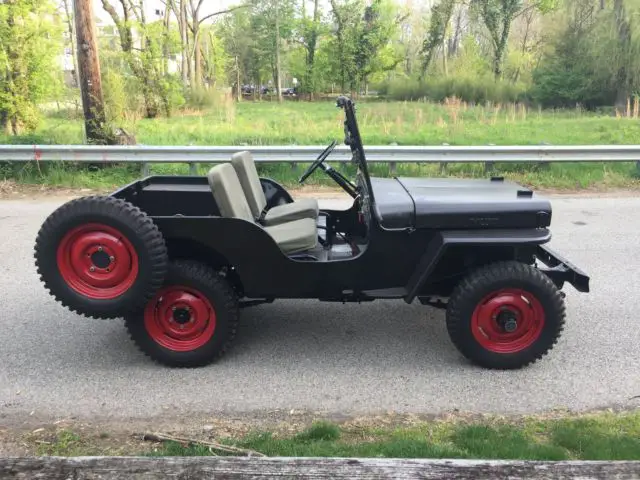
x=390 y=154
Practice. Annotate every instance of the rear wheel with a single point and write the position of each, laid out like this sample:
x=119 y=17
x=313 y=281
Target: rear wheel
x=505 y=315
x=192 y=319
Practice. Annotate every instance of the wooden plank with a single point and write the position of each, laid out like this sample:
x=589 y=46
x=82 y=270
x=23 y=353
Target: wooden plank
x=235 y=468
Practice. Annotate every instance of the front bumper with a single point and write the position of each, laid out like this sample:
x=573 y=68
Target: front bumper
x=561 y=270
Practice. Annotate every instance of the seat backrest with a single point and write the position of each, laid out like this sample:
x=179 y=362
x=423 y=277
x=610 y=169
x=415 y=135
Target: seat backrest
x=228 y=192
x=248 y=174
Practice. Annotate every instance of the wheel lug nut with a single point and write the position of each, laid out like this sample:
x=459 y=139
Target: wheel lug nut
x=112 y=258
x=92 y=269
x=99 y=249
x=173 y=308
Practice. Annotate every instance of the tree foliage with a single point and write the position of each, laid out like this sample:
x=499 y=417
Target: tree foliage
x=29 y=41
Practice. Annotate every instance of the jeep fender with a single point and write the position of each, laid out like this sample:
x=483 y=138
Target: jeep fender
x=560 y=269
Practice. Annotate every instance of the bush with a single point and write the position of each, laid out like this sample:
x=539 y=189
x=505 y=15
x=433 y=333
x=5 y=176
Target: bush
x=468 y=89
x=114 y=91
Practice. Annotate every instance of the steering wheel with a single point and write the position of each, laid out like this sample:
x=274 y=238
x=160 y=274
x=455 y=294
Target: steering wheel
x=318 y=161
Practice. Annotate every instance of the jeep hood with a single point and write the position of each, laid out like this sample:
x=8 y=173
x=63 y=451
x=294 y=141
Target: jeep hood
x=447 y=203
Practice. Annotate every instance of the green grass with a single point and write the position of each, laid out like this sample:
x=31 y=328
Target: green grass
x=605 y=436
x=596 y=436
x=382 y=123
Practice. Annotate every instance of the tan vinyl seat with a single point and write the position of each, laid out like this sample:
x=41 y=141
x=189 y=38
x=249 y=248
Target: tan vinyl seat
x=292 y=237
x=248 y=174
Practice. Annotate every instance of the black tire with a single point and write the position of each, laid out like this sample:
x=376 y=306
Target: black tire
x=201 y=280
x=115 y=219
x=544 y=299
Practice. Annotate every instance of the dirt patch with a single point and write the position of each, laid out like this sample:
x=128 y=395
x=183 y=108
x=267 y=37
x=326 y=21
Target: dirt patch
x=10 y=190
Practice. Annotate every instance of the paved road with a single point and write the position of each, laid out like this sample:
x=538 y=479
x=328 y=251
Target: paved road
x=329 y=357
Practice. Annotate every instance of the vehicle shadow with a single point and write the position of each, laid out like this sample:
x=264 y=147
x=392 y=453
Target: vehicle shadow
x=377 y=332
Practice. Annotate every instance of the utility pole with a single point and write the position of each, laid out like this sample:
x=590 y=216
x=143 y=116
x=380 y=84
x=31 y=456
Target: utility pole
x=89 y=74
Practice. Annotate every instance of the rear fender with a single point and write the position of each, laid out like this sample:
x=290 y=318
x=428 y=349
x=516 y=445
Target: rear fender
x=443 y=241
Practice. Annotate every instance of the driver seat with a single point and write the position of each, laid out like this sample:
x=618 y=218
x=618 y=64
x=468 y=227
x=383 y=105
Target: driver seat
x=245 y=168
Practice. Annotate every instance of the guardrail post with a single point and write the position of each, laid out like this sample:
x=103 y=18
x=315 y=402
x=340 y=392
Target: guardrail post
x=392 y=165
x=638 y=167
x=443 y=165
x=488 y=166
x=193 y=169
x=145 y=170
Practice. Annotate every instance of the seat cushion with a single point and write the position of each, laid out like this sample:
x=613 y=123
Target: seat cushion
x=249 y=179
x=303 y=208
x=295 y=236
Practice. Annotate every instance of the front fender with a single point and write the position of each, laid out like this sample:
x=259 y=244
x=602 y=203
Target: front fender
x=441 y=242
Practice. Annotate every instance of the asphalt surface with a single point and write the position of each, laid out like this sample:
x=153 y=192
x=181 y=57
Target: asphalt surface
x=376 y=357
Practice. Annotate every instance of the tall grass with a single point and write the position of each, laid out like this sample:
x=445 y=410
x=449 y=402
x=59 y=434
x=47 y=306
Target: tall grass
x=478 y=90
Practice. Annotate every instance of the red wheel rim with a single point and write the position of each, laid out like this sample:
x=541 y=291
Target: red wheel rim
x=508 y=321
x=180 y=319
x=97 y=261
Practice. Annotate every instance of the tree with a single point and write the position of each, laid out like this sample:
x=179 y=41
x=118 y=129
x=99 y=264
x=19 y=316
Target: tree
x=440 y=17
x=144 y=59
x=347 y=15
x=310 y=30
x=498 y=15
x=272 y=24
x=363 y=40
x=29 y=43
x=237 y=43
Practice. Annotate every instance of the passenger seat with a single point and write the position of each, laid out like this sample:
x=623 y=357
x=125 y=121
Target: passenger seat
x=248 y=175
x=292 y=237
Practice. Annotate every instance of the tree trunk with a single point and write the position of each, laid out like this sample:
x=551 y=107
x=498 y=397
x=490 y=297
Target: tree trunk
x=444 y=58
x=278 y=73
x=184 y=41
x=72 y=34
x=197 y=49
x=311 y=51
x=339 y=34
x=89 y=72
x=499 y=49
x=238 y=92
x=197 y=61
x=624 y=44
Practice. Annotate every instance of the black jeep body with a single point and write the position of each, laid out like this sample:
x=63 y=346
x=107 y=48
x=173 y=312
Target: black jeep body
x=435 y=240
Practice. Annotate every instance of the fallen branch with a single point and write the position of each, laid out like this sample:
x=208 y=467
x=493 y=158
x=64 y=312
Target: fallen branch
x=163 y=437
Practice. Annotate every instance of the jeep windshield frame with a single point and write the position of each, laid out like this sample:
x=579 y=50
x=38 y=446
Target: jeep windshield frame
x=353 y=139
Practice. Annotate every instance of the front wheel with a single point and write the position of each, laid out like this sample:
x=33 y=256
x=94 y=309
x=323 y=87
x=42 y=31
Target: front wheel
x=192 y=319
x=505 y=315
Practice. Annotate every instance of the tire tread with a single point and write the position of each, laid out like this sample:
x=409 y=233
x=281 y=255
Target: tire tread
x=143 y=226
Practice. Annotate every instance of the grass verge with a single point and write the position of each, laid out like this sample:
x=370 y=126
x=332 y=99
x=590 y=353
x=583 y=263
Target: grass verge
x=596 y=436
x=382 y=123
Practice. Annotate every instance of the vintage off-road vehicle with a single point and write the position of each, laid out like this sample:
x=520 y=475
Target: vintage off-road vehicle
x=178 y=256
